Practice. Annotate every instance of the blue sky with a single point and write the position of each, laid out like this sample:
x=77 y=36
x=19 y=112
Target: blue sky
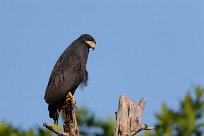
x=152 y=49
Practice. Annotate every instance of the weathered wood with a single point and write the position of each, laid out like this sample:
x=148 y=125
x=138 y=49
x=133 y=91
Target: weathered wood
x=70 y=123
x=128 y=117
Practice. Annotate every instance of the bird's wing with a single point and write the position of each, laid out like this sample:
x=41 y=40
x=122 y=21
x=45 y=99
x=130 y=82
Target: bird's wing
x=65 y=77
x=85 y=80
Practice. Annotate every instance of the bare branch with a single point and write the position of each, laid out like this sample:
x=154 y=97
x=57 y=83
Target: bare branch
x=52 y=129
x=142 y=127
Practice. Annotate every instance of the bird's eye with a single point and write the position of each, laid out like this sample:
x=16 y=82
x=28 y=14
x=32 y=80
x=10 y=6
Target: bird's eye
x=89 y=39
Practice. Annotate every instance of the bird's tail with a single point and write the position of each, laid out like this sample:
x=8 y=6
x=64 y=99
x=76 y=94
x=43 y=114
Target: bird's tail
x=54 y=111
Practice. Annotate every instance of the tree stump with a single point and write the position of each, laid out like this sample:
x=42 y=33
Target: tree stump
x=128 y=117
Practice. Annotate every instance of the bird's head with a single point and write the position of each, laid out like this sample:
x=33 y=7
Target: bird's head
x=89 y=40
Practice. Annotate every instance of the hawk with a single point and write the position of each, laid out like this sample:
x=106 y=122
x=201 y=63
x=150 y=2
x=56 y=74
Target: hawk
x=68 y=73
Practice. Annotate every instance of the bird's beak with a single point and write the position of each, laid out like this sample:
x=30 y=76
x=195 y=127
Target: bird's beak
x=92 y=44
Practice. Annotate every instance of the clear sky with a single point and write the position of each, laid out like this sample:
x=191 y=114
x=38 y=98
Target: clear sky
x=152 y=49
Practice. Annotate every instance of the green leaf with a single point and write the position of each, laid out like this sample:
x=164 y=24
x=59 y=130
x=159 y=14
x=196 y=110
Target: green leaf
x=189 y=112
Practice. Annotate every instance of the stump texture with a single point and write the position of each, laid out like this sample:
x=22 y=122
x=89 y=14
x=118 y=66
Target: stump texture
x=128 y=117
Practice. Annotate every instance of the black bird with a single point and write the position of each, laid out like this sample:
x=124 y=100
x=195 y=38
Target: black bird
x=68 y=73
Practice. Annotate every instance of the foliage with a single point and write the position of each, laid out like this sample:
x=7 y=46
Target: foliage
x=9 y=130
x=90 y=125
x=187 y=121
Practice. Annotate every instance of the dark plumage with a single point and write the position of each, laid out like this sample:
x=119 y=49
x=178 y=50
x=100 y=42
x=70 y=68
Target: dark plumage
x=68 y=72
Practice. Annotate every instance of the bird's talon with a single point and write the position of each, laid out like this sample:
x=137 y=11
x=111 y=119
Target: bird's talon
x=71 y=97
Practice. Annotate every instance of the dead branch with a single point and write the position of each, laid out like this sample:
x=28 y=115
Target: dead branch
x=53 y=129
x=70 y=123
x=128 y=117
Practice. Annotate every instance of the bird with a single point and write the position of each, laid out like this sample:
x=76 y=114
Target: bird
x=67 y=74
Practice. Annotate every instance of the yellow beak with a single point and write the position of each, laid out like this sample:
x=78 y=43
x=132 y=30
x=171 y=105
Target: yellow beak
x=91 y=44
